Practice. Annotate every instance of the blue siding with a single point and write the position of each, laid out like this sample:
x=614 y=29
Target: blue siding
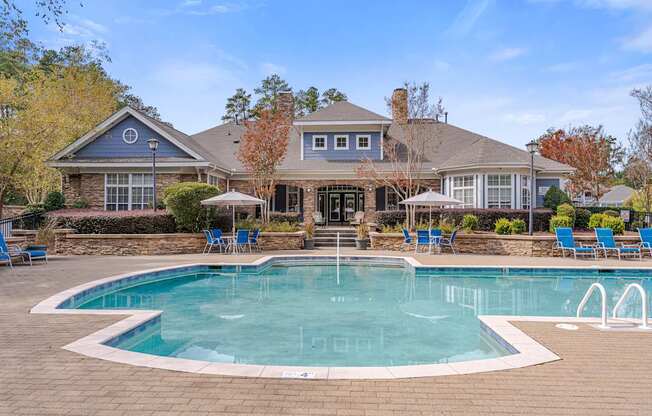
x=110 y=144
x=351 y=154
x=548 y=182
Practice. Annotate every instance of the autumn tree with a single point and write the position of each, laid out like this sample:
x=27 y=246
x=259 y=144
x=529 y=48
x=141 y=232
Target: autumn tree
x=263 y=147
x=404 y=155
x=593 y=153
x=238 y=106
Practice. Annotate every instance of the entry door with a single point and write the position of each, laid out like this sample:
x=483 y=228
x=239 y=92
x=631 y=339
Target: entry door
x=349 y=206
x=334 y=208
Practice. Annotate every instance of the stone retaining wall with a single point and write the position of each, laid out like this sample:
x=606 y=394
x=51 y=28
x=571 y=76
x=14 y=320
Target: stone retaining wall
x=540 y=245
x=157 y=244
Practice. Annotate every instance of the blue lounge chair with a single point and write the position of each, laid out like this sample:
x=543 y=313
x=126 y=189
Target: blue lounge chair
x=253 y=239
x=407 y=239
x=7 y=252
x=566 y=242
x=241 y=242
x=645 y=234
x=607 y=243
x=221 y=242
x=423 y=239
x=449 y=242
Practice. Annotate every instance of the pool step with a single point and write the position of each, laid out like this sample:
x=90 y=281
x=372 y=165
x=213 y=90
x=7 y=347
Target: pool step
x=327 y=237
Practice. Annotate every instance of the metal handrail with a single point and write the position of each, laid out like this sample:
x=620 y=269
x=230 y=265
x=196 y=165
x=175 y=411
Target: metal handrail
x=643 y=294
x=603 y=296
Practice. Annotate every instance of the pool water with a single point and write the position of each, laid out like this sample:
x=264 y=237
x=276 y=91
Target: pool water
x=368 y=315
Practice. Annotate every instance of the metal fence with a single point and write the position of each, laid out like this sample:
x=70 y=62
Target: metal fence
x=31 y=221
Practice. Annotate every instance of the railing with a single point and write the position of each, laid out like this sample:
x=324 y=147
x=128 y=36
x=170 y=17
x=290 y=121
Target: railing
x=644 y=305
x=29 y=221
x=337 y=259
x=603 y=300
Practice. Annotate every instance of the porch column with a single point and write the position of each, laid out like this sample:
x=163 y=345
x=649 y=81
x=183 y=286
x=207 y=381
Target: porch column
x=309 y=197
x=370 y=202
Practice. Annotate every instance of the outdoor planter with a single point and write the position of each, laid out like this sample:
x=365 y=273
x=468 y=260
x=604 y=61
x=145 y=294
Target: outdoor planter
x=309 y=244
x=361 y=244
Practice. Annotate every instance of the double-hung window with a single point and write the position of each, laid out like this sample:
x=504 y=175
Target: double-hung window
x=318 y=142
x=464 y=190
x=363 y=142
x=499 y=191
x=293 y=202
x=391 y=199
x=127 y=191
x=341 y=142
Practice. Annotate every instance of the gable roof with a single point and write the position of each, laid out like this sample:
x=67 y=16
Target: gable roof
x=179 y=139
x=342 y=111
x=618 y=193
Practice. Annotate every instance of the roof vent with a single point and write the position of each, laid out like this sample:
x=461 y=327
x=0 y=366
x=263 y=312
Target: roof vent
x=236 y=141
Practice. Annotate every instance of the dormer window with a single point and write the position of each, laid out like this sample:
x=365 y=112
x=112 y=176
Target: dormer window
x=363 y=142
x=341 y=142
x=318 y=142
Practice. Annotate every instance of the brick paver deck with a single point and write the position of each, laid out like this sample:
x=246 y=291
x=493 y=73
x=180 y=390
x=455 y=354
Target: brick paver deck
x=601 y=373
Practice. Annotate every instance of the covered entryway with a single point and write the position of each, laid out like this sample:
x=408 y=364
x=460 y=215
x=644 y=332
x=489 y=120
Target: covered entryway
x=338 y=204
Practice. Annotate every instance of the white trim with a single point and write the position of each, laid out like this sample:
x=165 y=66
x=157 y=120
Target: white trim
x=337 y=136
x=463 y=188
x=382 y=143
x=114 y=119
x=129 y=130
x=125 y=164
x=301 y=142
x=510 y=175
x=321 y=136
x=340 y=123
x=357 y=141
x=506 y=165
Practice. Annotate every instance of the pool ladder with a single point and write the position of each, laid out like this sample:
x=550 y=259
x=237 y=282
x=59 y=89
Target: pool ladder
x=619 y=304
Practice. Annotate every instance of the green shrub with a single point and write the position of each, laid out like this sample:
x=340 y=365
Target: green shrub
x=611 y=213
x=398 y=228
x=567 y=210
x=183 y=199
x=555 y=197
x=503 y=226
x=582 y=216
x=280 y=227
x=470 y=223
x=115 y=222
x=81 y=203
x=616 y=224
x=291 y=217
x=54 y=201
x=595 y=221
x=517 y=226
x=560 y=221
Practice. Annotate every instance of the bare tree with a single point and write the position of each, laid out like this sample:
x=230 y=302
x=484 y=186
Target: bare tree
x=404 y=155
x=639 y=164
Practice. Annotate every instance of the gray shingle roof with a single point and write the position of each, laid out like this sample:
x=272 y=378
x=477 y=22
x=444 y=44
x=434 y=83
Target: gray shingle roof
x=618 y=193
x=343 y=111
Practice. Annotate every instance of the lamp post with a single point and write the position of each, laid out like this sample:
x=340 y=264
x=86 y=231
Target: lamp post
x=153 y=145
x=532 y=148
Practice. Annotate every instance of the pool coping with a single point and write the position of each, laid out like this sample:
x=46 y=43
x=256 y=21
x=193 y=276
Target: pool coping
x=525 y=350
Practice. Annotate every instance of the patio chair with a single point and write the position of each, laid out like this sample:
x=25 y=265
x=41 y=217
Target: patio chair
x=318 y=218
x=607 y=243
x=423 y=239
x=565 y=242
x=221 y=242
x=645 y=234
x=407 y=239
x=449 y=242
x=253 y=239
x=358 y=218
x=14 y=251
x=210 y=242
x=435 y=236
x=241 y=242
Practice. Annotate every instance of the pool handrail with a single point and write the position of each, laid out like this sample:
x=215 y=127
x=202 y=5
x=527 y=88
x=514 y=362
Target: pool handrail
x=644 y=304
x=603 y=300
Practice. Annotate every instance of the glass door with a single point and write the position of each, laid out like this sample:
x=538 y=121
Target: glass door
x=349 y=206
x=334 y=207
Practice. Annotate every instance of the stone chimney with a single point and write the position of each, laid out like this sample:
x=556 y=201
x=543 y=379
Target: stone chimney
x=400 y=105
x=285 y=103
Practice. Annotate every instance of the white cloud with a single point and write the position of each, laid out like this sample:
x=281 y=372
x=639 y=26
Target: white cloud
x=190 y=3
x=636 y=73
x=575 y=115
x=192 y=75
x=507 y=54
x=616 y=4
x=130 y=20
x=468 y=17
x=268 y=68
x=641 y=42
x=563 y=67
x=524 y=118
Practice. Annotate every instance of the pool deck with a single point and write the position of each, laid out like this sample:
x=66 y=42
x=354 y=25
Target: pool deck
x=599 y=372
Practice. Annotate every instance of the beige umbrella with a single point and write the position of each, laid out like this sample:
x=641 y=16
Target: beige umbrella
x=233 y=199
x=431 y=199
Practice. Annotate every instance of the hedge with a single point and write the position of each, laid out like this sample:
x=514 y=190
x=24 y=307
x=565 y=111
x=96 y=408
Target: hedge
x=183 y=199
x=290 y=217
x=86 y=221
x=486 y=217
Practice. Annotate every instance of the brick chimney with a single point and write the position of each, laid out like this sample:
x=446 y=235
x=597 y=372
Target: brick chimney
x=400 y=105
x=285 y=103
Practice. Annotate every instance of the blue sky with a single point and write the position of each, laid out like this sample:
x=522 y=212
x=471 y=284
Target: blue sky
x=508 y=69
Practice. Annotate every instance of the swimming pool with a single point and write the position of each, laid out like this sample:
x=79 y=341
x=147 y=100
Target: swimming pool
x=370 y=314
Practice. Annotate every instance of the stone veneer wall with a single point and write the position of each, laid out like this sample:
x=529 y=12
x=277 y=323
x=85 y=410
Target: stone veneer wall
x=156 y=244
x=9 y=211
x=494 y=244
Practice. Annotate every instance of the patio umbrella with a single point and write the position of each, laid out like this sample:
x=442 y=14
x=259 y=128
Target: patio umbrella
x=233 y=199
x=431 y=199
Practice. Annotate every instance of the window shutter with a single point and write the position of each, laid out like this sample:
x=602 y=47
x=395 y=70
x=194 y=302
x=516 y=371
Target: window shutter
x=380 y=198
x=280 y=198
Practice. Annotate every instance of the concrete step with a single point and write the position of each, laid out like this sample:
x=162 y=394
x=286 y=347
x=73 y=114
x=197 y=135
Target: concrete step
x=328 y=245
x=334 y=235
